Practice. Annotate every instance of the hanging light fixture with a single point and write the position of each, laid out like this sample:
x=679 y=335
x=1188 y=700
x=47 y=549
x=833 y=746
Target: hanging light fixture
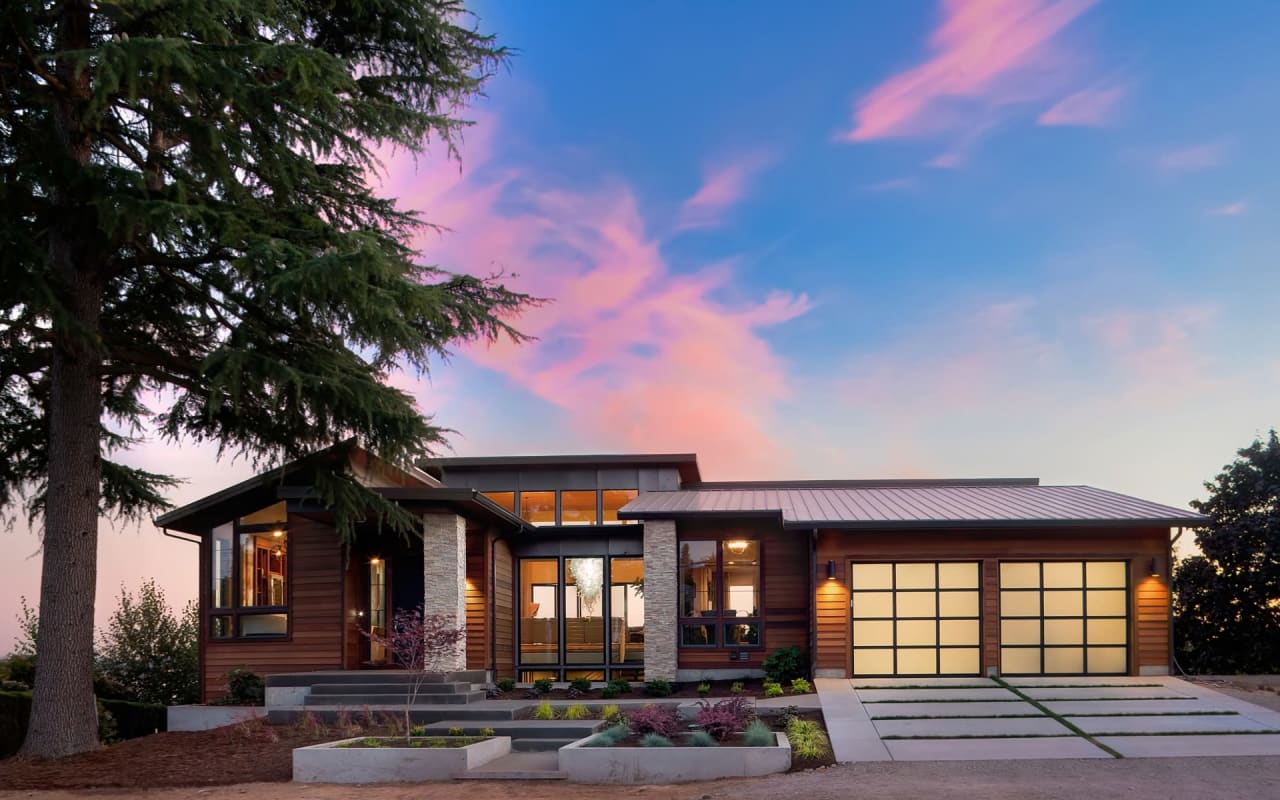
x=737 y=546
x=588 y=576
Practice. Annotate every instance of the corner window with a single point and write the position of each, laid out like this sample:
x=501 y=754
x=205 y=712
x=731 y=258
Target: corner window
x=720 y=593
x=613 y=499
x=249 y=576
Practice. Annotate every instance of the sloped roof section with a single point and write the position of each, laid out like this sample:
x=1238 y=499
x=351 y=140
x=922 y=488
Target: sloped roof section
x=914 y=504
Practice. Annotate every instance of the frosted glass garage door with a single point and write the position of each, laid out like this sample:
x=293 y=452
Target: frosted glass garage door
x=916 y=618
x=1064 y=618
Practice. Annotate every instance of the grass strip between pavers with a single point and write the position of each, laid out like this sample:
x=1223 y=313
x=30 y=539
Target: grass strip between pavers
x=1061 y=719
x=955 y=716
x=1158 y=714
x=961 y=700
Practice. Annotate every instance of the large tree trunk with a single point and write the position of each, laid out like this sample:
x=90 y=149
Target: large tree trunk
x=64 y=715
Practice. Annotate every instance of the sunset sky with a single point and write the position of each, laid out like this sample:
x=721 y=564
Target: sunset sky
x=849 y=240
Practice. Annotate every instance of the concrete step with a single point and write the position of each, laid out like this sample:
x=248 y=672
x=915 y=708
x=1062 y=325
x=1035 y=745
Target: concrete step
x=539 y=745
x=379 y=676
x=519 y=767
x=421 y=715
x=523 y=728
x=396 y=688
x=361 y=700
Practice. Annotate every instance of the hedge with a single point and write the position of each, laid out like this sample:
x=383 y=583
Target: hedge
x=132 y=719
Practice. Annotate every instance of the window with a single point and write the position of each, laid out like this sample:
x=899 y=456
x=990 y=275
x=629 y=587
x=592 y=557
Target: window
x=613 y=499
x=505 y=499
x=567 y=506
x=720 y=593
x=538 y=507
x=578 y=508
x=249 y=572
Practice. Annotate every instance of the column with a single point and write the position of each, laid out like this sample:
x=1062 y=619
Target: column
x=444 y=581
x=661 y=578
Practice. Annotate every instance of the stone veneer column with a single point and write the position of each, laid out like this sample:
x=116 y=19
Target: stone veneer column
x=660 y=584
x=444 y=580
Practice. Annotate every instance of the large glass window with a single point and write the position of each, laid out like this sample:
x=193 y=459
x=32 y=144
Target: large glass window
x=539 y=618
x=613 y=499
x=626 y=598
x=720 y=593
x=505 y=499
x=578 y=508
x=583 y=611
x=1064 y=617
x=221 y=560
x=916 y=618
x=263 y=557
x=377 y=609
x=538 y=507
x=249 y=572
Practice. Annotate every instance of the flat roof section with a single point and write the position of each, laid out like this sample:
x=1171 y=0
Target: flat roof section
x=686 y=463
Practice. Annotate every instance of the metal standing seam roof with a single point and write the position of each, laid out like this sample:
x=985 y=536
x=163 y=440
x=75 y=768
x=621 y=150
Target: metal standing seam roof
x=943 y=504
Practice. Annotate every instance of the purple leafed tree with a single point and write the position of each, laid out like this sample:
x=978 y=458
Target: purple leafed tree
x=420 y=644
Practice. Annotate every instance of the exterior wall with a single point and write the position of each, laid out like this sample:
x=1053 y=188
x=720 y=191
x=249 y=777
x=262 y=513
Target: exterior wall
x=315 y=639
x=504 y=664
x=1149 y=609
x=478 y=649
x=510 y=479
x=660 y=592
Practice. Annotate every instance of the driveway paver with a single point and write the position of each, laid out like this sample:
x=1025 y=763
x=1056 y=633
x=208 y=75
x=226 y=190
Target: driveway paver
x=1106 y=693
x=996 y=693
x=1191 y=723
x=1172 y=746
x=1011 y=708
x=972 y=726
x=992 y=749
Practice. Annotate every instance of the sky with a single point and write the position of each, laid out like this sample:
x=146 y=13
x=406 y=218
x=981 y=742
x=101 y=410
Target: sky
x=847 y=240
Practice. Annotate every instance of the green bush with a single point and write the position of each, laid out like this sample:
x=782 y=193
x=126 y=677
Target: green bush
x=773 y=690
x=544 y=711
x=801 y=686
x=15 y=711
x=702 y=739
x=245 y=688
x=808 y=740
x=577 y=711
x=704 y=689
x=736 y=687
x=581 y=684
x=20 y=668
x=785 y=664
x=543 y=685
x=608 y=737
x=612 y=714
x=655 y=740
x=658 y=688
x=456 y=731
x=117 y=719
x=610 y=692
x=758 y=734
x=620 y=686
x=507 y=684
x=136 y=719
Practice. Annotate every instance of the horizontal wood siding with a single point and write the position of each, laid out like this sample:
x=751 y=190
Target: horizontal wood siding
x=477 y=602
x=503 y=611
x=1152 y=618
x=315 y=615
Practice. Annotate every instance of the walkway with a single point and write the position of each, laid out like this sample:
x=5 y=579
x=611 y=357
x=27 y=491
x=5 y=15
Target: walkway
x=962 y=719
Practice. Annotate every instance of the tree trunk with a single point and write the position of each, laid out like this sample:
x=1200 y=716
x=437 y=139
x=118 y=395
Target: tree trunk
x=64 y=715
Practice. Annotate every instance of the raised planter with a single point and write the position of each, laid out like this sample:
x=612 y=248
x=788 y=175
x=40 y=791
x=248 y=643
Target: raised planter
x=671 y=764
x=203 y=718
x=331 y=762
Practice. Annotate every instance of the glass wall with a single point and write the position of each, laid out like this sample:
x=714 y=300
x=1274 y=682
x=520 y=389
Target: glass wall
x=538 y=507
x=578 y=508
x=613 y=499
x=626 y=599
x=584 y=611
x=539 y=619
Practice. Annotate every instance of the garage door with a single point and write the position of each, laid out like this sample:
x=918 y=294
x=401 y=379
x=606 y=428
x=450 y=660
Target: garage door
x=916 y=618
x=1064 y=618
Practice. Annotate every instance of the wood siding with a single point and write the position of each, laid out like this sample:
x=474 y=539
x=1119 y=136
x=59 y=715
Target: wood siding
x=503 y=611
x=477 y=600
x=315 y=639
x=1149 y=603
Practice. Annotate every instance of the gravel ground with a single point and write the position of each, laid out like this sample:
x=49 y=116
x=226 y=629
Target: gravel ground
x=1262 y=690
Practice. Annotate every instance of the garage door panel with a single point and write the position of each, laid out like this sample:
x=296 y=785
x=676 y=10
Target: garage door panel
x=958 y=631
x=1064 y=631
x=1020 y=604
x=960 y=661
x=1064 y=617
x=916 y=618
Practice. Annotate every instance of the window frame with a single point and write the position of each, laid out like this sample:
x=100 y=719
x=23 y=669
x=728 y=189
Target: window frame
x=237 y=610
x=717 y=618
x=517 y=499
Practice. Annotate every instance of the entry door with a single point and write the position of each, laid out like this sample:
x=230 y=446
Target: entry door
x=1064 y=617
x=916 y=618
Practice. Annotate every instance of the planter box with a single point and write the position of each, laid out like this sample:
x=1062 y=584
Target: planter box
x=332 y=763
x=202 y=718
x=671 y=764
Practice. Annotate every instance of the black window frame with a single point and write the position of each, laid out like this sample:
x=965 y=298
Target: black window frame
x=238 y=610
x=718 y=621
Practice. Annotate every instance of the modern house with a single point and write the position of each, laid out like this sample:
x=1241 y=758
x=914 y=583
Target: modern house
x=633 y=566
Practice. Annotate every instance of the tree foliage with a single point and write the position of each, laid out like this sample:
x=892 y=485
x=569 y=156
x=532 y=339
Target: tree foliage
x=189 y=243
x=151 y=653
x=1227 y=601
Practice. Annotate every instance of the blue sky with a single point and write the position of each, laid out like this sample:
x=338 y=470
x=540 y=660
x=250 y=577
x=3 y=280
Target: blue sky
x=1017 y=237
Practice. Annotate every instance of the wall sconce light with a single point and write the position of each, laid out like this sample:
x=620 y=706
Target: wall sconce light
x=359 y=613
x=375 y=561
x=737 y=546
x=831 y=570
x=277 y=534
x=1155 y=568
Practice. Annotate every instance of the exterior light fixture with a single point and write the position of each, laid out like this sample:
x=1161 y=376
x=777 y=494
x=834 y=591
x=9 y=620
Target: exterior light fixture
x=1155 y=568
x=277 y=534
x=737 y=546
x=831 y=570
x=375 y=561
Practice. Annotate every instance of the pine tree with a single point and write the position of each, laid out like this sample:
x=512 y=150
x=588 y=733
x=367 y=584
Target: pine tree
x=189 y=244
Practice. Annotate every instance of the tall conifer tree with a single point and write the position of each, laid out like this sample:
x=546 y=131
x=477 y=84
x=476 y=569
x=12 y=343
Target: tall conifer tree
x=189 y=240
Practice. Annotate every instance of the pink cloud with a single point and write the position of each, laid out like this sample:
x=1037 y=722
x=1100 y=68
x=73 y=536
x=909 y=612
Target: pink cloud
x=1193 y=158
x=1092 y=107
x=722 y=188
x=1230 y=209
x=985 y=53
x=636 y=355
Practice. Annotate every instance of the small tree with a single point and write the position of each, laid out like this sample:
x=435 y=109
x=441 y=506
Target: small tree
x=421 y=645
x=28 y=629
x=151 y=652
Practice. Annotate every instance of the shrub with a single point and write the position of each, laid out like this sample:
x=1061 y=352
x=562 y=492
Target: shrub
x=758 y=734
x=785 y=663
x=736 y=687
x=507 y=684
x=487 y=732
x=608 y=737
x=702 y=739
x=724 y=718
x=371 y=741
x=455 y=731
x=612 y=714
x=704 y=689
x=581 y=684
x=245 y=688
x=135 y=719
x=787 y=714
x=622 y=686
x=150 y=653
x=543 y=685
x=773 y=690
x=418 y=730
x=808 y=740
x=801 y=686
x=21 y=669
x=544 y=711
x=609 y=692
x=654 y=719
x=577 y=711
x=655 y=740
x=658 y=688
x=15 y=711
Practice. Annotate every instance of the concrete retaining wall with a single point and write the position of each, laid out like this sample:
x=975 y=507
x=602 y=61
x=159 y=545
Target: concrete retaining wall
x=330 y=763
x=202 y=718
x=648 y=765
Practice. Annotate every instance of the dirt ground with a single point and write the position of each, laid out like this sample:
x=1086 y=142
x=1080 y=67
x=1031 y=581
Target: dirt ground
x=1263 y=690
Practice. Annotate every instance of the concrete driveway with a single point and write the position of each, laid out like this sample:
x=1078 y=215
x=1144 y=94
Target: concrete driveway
x=963 y=719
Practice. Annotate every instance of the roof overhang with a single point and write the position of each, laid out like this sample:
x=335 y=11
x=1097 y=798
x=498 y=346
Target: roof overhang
x=685 y=463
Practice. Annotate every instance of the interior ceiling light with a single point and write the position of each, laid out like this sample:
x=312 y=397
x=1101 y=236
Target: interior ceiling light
x=737 y=547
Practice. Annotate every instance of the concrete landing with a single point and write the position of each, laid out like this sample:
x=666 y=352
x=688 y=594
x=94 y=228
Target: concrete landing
x=992 y=749
x=853 y=736
x=1012 y=708
x=977 y=726
x=1193 y=723
x=1177 y=746
x=917 y=695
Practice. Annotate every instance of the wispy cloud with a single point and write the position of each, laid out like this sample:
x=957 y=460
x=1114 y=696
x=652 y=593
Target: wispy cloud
x=892 y=185
x=1093 y=107
x=984 y=55
x=1230 y=209
x=1193 y=158
x=722 y=188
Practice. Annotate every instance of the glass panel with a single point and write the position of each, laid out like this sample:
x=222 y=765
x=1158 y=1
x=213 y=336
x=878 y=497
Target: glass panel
x=268 y=516
x=741 y=635
x=917 y=604
x=1063 y=631
x=1107 y=659
x=539 y=623
x=1015 y=575
x=584 y=611
x=741 y=578
x=578 y=508
x=221 y=561
x=627 y=674
x=1020 y=604
x=872 y=662
x=960 y=661
x=589 y=674
x=915 y=576
x=627 y=602
x=1106 y=574
x=914 y=633
x=531 y=675
x=958 y=604
x=697 y=635
x=614 y=499
x=1020 y=631
x=538 y=507
x=377 y=608
x=958 y=631
x=264 y=625
x=1019 y=660
x=505 y=499
x=958 y=576
x=1107 y=603
x=220 y=628
x=697 y=579
x=263 y=567
x=917 y=662
x=872 y=604
x=1063 y=575
x=877 y=632
x=872 y=576
x=1064 y=603
x=1063 y=660
x=1108 y=631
